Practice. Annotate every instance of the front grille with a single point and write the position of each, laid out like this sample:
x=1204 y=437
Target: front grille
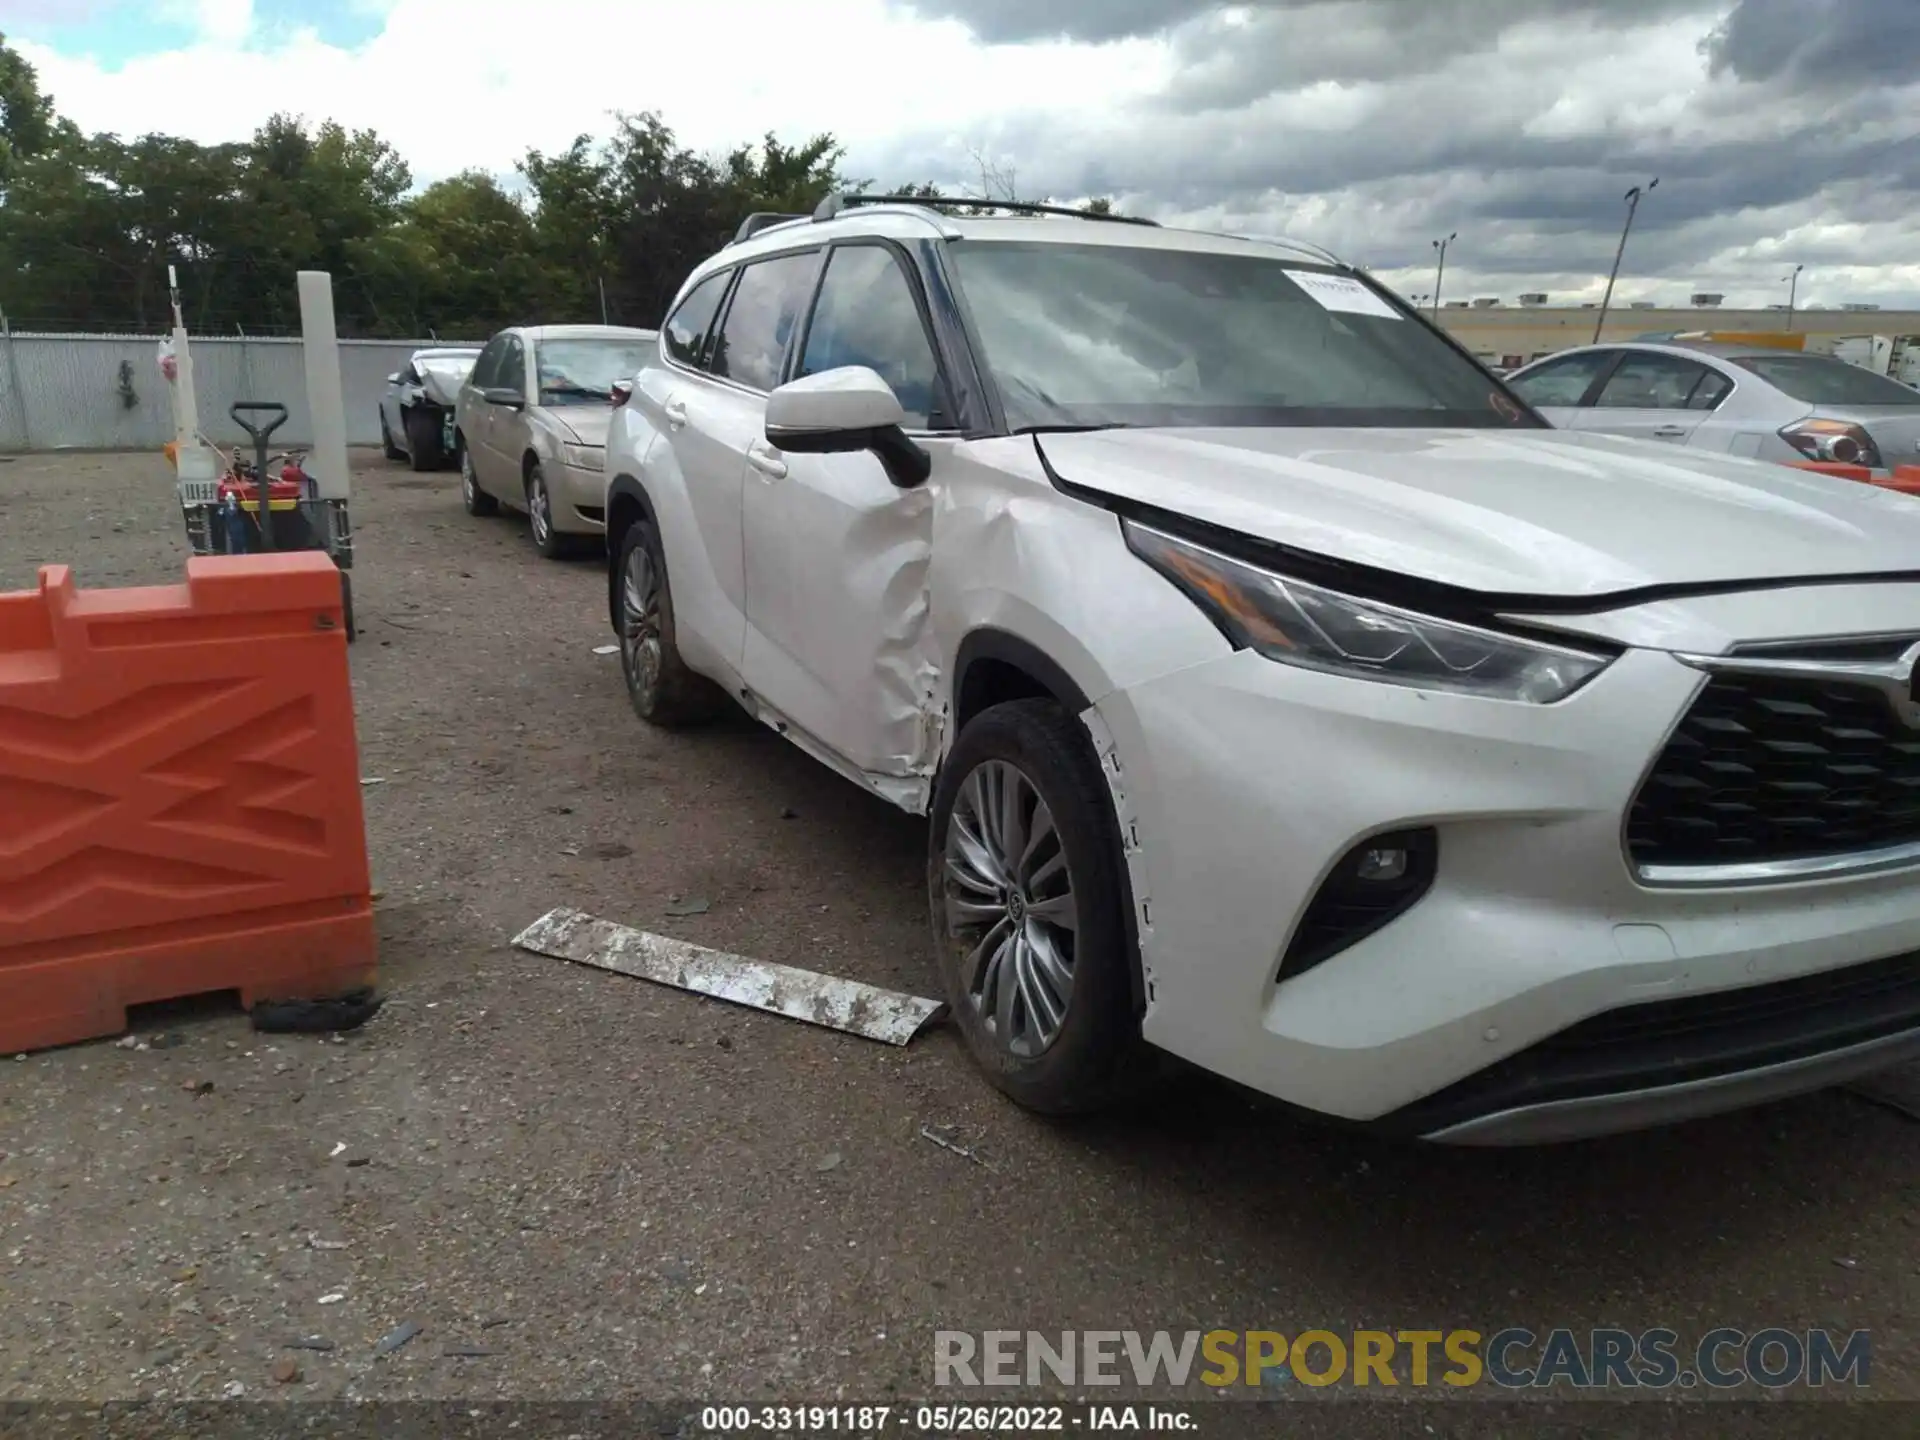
x=1775 y=768
x=1693 y=1038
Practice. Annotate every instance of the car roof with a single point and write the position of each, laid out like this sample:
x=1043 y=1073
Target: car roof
x=1688 y=349
x=584 y=332
x=918 y=222
x=445 y=352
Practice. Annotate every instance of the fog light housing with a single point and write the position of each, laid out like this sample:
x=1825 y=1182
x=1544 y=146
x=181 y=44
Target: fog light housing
x=1374 y=883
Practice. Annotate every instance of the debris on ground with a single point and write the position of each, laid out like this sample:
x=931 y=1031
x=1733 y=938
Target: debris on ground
x=310 y=1342
x=466 y=1352
x=128 y=1042
x=316 y=1017
x=373 y=779
x=401 y=1335
x=197 y=1087
x=359 y=1162
x=333 y=1299
x=884 y=1015
x=314 y=1242
x=339 y=1149
x=286 y=1372
x=678 y=908
x=928 y=1133
x=606 y=649
x=611 y=850
x=829 y=1161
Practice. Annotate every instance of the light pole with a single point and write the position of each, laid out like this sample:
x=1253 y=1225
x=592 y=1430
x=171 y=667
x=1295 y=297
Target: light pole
x=1441 y=273
x=1793 y=291
x=1633 y=204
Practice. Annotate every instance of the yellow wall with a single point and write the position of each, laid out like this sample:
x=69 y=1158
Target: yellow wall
x=1509 y=330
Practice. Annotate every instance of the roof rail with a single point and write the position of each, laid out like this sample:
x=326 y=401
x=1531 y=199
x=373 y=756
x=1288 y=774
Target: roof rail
x=834 y=204
x=761 y=220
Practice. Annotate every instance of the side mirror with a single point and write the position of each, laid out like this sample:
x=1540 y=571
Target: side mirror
x=838 y=412
x=502 y=395
x=393 y=379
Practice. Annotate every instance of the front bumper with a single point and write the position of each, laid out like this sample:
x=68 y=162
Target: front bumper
x=579 y=499
x=1246 y=780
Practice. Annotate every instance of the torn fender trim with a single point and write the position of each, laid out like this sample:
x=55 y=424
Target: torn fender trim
x=1128 y=819
x=884 y=1015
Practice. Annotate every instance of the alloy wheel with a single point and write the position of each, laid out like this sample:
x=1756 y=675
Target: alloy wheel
x=640 y=620
x=1009 y=900
x=539 y=507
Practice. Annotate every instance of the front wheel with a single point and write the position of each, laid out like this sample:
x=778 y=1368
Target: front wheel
x=665 y=691
x=549 y=541
x=392 y=451
x=1028 y=911
x=476 y=500
x=423 y=439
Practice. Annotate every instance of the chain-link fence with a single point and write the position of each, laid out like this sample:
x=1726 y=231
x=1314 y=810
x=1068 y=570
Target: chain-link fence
x=105 y=392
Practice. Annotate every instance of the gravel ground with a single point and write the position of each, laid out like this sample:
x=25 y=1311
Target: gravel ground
x=618 y=1190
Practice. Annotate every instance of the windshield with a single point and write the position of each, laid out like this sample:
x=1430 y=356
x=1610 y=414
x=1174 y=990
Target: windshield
x=1822 y=380
x=1079 y=335
x=583 y=372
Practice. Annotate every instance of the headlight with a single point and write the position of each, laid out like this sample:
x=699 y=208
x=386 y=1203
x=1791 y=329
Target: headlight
x=586 y=457
x=1317 y=629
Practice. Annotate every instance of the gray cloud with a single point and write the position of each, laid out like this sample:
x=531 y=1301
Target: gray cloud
x=1369 y=126
x=1825 y=43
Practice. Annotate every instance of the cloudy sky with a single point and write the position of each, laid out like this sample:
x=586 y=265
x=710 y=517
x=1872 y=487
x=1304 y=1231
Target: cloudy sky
x=1783 y=132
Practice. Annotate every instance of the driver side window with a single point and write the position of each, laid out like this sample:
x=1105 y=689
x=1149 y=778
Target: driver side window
x=866 y=315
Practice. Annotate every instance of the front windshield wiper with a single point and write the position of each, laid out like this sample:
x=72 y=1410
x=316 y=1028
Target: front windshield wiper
x=576 y=390
x=1071 y=429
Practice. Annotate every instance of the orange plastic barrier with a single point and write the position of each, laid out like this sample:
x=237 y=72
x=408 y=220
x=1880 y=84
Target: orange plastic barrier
x=1833 y=467
x=1905 y=478
x=179 y=796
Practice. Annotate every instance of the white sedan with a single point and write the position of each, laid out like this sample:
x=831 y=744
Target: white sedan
x=1766 y=404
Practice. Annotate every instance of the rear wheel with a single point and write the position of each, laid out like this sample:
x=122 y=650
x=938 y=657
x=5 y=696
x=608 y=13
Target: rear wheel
x=423 y=439
x=664 y=690
x=477 y=501
x=1028 y=911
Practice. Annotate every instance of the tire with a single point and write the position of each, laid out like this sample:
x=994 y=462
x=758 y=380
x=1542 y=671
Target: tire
x=546 y=539
x=423 y=440
x=477 y=502
x=1038 y=972
x=664 y=691
x=346 y=605
x=393 y=451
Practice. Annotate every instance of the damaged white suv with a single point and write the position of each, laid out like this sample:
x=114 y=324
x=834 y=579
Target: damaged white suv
x=1283 y=693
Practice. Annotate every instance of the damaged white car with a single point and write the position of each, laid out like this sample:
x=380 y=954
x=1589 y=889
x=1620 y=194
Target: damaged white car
x=416 y=410
x=1282 y=691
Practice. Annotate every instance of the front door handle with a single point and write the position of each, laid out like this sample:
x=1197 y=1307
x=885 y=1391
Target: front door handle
x=1670 y=432
x=676 y=413
x=767 y=461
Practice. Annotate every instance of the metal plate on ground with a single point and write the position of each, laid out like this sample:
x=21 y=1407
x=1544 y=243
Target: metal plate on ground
x=888 y=1016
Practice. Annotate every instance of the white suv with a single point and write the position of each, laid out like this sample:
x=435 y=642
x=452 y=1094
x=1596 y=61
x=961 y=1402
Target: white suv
x=1283 y=693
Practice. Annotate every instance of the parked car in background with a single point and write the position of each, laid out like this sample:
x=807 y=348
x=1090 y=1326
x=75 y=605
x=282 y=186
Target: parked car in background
x=416 y=412
x=1282 y=691
x=531 y=426
x=1752 y=401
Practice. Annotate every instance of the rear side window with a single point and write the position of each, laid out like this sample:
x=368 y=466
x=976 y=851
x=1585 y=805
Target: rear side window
x=685 y=332
x=760 y=319
x=1708 y=394
x=866 y=316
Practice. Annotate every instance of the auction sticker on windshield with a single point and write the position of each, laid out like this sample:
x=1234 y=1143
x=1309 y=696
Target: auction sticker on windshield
x=1342 y=292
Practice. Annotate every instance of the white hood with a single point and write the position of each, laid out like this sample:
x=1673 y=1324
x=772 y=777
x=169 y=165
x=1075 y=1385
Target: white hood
x=1517 y=512
x=441 y=376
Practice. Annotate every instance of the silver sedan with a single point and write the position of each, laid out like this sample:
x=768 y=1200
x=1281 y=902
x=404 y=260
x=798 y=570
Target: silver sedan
x=1768 y=404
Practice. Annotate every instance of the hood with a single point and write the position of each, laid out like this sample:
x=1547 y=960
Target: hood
x=581 y=424
x=441 y=377
x=1509 y=512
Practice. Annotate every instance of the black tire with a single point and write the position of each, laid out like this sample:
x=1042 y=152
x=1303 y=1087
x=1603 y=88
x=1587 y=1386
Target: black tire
x=547 y=539
x=477 y=501
x=423 y=440
x=393 y=451
x=664 y=691
x=1096 y=1056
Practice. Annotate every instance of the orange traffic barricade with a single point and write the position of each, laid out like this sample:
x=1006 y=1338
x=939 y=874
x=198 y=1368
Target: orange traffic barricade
x=180 y=802
x=1835 y=468
x=1904 y=478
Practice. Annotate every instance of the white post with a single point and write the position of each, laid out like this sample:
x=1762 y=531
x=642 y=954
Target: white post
x=325 y=408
